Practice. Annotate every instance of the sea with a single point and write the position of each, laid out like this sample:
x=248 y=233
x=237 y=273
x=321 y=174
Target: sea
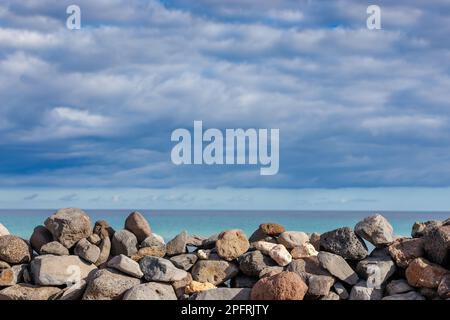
x=169 y=223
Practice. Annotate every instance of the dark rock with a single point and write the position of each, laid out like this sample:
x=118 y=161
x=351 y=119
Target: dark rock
x=177 y=245
x=161 y=270
x=124 y=242
x=40 y=237
x=338 y=267
x=253 y=262
x=345 y=243
x=184 y=261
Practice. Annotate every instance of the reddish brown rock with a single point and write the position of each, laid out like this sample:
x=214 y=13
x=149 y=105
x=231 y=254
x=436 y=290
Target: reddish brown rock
x=282 y=286
x=272 y=229
x=422 y=273
x=231 y=244
x=437 y=245
x=40 y=237
x=102 y=229
x=14 y=250
x=444 y=287
x=403 y=251
x=138 y=225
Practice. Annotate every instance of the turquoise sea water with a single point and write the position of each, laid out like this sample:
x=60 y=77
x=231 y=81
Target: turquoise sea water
x=168 y=223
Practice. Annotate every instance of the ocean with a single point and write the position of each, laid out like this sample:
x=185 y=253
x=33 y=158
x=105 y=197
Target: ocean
x=168 y=223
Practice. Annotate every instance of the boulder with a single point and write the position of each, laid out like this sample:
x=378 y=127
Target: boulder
x=398 y=286
x=68 y=226
x=51 y=270
x=437 y=245
x=28 y=292
x=4 y=231
x=253 y=262
x=177 y=245
x=14 y=250
x=151 y=291
x=444 y=287
x=422 y=273
x=272 y=229
x=126 y=265
x=403 y=251
x=184 y=261
x=319 y=285
x=40 y=237
x=419 y=229
x=361 y=291
x=338 y=267
x=224 y=294
x=55 y=248
x=411 y=295
x=214 y=271
x=292 y=239
x=196 y=287
x=376 y=270
x=87 y=251
x=103 y=229
x=159 y=269
x=345 y=243
x=263 y=246
x=282 y=286
x=152 y=241
x=124 y=242
x=231 y=244
x=303 y=251
x=375 y=229
x=138 y=225
x=280 y=255
x=108 y=284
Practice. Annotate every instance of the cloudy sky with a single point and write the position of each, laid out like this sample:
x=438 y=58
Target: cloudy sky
x=86 y=115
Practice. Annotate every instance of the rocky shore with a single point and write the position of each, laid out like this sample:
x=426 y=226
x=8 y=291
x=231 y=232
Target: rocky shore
x=71 y=258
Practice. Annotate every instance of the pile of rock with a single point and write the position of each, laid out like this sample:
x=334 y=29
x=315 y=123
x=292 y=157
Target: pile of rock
x=68 y=259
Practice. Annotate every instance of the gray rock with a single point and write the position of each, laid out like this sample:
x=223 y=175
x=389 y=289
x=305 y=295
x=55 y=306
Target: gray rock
x=291 y=239
x=177 y=245
x=338 y=267
x=398 y=286
x=160 y=269
x=151 y=291
x=310 y=265
x=330 y=296
x=28 y=292
x=319 y=285
x=50 y=270
x=378 y=270
x=126 y=265
x=375 y=229
x=94 y=239
x=412 y=295
x=214 y=271
x=253 y=262
x=224 y=294
x=40 y=237
x=210 y=242
x=361 y=291
x=74 y=292
x=105 y=250
x=437 y=245
x=184 y=261
x=138 y=225
x=345 y=243
x=107 y=284
x=242 y=281
x=152 y=241
x=55 y=248
x=195 y=240
x=419 y=229
x=88 y=251
x=124 y=242
x=68 y=226
x=340 y=290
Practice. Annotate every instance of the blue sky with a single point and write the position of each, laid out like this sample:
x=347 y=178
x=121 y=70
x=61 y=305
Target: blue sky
x=86 y=115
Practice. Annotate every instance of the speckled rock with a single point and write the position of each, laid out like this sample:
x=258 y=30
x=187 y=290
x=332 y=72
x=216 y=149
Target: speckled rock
x=107 y=284
x=282 y=286
x=292 y=239
x=124 y=242
x=196 y=287
x=303 y=251
x=345 y=243
x=14 y=250
x=319 y=285
x=422 y=273
x=253 y=262
x=403 y=251
x=149 y=252
x=54 y=248
x=419 y=229
x=224 y=294
x=161 y=270
x=214 y=271
x=151 y=291
x=231 y=244
x=437 y=245
x=272 y=229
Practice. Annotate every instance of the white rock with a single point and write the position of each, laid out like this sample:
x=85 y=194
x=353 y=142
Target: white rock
x=280 y=254
x=126 y=265
x=263 y=246
x=303 y=251
x=3 y=230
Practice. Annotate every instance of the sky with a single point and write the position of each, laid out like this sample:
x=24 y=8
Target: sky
x=86 y=115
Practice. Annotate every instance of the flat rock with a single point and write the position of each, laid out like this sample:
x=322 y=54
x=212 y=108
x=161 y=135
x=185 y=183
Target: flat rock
x=68 y=226
x=124 y=242
x=303 y=251
x=319 y=285
x=375 y=229
x=224 y=294
x=51 y=270
x=345 y=243
x=184 y=261
x=55 y=248
x=412 y=295
x=271 y=271
x=14 y=250
x=253 y=262
x=214 y=271
x=292 y=239
x=151 y=291
x=272 y=229
x=398 y=286
x=126 y=265
x=138 y=225
x=87 y=251
x=376 y=270
x=73 y=292
x=231 y=244
x=437 y=245
x=282 y=286
x=160 y=269
x=338 y=267
x=280 y=255
x=177 y=245
x=310 y=265
x=403 y=251
x=28 y=292
x=108 y=284
x=361 y=291
x=422 y=273
x=4 y=231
